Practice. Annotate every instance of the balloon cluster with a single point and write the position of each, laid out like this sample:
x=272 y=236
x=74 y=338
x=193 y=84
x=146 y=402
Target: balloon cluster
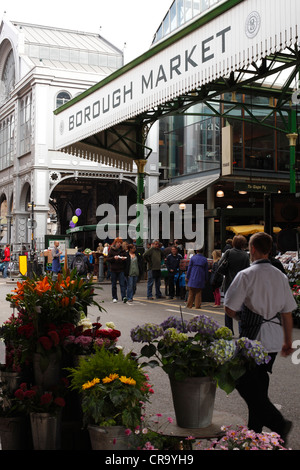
x=75 y=218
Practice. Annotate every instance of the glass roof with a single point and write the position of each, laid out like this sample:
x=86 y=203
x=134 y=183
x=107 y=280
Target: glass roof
x=180 y=13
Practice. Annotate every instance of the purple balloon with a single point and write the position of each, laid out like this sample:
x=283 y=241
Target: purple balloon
x=78 y=212
x=71 y=224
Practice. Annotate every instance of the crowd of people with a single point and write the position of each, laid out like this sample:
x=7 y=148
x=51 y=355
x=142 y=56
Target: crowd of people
x=185 y=273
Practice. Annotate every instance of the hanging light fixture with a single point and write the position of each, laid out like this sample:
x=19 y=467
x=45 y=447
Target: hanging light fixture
x=182 y=206
x=220 y=193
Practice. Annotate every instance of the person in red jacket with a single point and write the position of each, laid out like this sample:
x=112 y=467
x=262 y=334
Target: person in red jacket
x=6 y=259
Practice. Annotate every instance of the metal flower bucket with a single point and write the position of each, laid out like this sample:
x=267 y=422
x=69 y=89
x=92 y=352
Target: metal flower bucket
x=193 y=400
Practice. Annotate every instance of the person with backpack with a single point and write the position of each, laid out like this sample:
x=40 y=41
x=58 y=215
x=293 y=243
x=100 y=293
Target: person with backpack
x=81 y=263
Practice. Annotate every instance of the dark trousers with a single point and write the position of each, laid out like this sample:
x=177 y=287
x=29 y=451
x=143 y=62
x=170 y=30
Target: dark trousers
x=173 y=287
x=122 y=280
x=253 y=387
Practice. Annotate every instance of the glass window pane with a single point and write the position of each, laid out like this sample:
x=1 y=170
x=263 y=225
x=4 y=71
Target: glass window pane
x=196 y=7
x=180 y=12
x=188 y=10
x=173 y=16
x=166 y=24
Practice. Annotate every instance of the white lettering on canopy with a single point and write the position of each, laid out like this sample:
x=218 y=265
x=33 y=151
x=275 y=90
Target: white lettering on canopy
x=243 y=34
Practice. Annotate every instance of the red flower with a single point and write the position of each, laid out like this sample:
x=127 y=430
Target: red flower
x=45 y=342
x=29 y=394
x=46 y=398
x=59 y=401
x=23 y=386
x=26 y=330
x=110 y=333
x=19 y=394
x=88 y=332
x=54 y=336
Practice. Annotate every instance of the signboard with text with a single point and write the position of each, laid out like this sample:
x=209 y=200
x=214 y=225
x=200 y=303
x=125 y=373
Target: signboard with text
x=243 y=34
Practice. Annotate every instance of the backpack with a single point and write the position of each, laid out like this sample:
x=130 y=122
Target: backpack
x=79 y=264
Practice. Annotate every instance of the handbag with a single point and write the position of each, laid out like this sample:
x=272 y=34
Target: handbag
x=216 y=279
x=223 y=266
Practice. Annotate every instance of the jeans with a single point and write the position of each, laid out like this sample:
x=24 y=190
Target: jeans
x=131 y=286
x=114 y=278
x=150 y=282
x=5 y=268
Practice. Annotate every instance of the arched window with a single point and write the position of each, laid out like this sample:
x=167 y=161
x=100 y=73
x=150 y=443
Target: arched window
x=62 y=98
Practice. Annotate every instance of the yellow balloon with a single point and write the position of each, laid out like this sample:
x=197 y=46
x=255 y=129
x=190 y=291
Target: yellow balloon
x=75 y=219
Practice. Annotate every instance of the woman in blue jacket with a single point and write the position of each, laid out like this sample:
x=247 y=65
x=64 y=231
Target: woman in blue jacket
x=197 y=275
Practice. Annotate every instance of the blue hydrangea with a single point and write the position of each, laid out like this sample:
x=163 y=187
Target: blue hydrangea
x=221 y=350
x=203 y=325
x=174 y=322
x=146 y=333
x=252 y=349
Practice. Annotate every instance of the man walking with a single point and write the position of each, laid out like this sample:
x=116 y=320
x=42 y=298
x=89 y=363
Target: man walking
x=260 y=296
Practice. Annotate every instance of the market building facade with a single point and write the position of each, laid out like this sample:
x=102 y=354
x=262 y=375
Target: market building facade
x=42 y=68
x=222 y=86
x=209 y=110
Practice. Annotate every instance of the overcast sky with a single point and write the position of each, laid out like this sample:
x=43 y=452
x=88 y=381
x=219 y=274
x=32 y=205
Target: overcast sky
x=133 y=22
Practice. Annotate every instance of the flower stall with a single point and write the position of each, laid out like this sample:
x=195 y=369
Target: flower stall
x=46 y=327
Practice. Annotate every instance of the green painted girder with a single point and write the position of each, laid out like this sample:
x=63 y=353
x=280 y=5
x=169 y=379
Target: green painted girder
x=129 y=137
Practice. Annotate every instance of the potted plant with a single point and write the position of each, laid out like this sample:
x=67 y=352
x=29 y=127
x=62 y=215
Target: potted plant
x=13 y=423
x=44 y=409
x=197 y=355
x=113 y=388
x=47 y=311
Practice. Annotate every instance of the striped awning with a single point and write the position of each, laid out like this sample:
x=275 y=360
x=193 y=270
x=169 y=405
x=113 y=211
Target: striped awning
x=103 y=156
x=181 y=192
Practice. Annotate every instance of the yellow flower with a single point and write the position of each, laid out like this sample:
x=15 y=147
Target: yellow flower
x=90 y=384
x=110 y=378
x=127 y=380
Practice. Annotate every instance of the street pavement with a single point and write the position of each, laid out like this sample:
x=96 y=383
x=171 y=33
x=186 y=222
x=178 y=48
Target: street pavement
x=284 y=382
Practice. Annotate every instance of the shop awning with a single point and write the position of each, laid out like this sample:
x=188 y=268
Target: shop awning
x=181 y=192
x=249 y=229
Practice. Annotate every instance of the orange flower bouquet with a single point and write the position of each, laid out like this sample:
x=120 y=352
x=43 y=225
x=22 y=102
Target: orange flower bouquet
x=47 y=310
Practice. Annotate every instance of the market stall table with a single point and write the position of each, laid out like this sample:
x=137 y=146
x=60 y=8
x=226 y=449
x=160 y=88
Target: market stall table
x=214 y=431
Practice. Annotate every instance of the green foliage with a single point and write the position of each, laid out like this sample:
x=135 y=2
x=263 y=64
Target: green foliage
x=199 y=347
x=101 y=364
x=113 y=387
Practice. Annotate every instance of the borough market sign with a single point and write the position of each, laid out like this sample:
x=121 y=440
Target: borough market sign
x=243 y=34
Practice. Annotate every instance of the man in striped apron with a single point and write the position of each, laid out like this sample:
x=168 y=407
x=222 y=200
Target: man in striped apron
x=261 y=298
